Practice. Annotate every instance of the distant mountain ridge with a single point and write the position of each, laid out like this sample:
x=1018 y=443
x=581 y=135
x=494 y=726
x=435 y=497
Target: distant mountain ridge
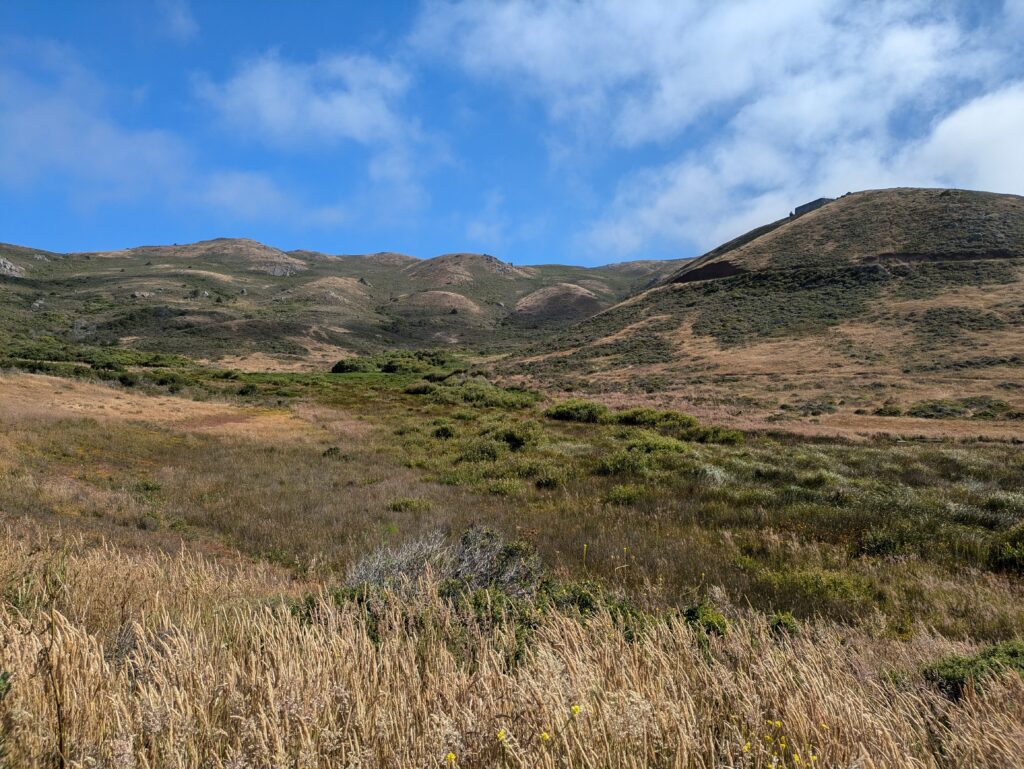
x=232 y=297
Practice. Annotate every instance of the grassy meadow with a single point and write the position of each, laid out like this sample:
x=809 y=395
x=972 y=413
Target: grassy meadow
x=403 y=564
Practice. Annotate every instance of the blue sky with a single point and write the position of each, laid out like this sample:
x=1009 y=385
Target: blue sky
x=577 y=132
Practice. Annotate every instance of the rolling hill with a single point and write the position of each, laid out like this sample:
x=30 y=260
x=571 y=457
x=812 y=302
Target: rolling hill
x=237 y=299
x=880 y=305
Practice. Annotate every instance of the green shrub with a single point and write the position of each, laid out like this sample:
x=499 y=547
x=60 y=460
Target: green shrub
x=354 y=366
x=482 y=450
x=485 y=395
x=714 y=434
x=938 y=409
x=625 y=494
x=654 y=443
x=897 y=538
x=667 y=421
x=888 y=410
x=248 y=389
x=443 y=431
x=578 y=411
x=1007 y=552
x=410 y=505
x=625 y=462
x=784 y=623
x=706 y=617
x=953 y=675
x=421 y=388
x=515 y=435
x=505 y=487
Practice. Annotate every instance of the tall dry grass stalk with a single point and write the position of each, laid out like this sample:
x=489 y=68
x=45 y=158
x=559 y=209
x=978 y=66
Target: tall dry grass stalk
x=134 y=660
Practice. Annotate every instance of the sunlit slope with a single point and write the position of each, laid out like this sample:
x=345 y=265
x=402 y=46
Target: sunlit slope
x=879 y=300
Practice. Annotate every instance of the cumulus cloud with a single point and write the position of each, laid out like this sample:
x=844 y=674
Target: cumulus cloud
x=758 y=105
x=334 y=99
x=977 y=145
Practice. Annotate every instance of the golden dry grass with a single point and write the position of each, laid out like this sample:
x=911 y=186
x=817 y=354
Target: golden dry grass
x=45 y=397
x=172 y=661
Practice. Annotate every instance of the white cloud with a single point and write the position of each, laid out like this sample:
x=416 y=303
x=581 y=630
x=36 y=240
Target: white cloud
x=54 y=123
x=764 y=105
x=334 y=101
x=178 y=21
x=252 y=195
x=58 y=128
x=336 y=98
x=980 y=145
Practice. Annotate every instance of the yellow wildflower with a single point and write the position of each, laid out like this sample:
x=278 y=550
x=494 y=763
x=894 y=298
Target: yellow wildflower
x=746 y=748
x=502 y=735
x=545 y=737
x=450 y=758
x=575 y=710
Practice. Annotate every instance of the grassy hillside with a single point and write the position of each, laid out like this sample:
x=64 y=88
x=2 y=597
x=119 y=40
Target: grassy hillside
x=236 y=299
x=850 y=317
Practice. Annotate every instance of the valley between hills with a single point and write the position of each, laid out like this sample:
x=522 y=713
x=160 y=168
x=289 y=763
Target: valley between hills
x=762 y=508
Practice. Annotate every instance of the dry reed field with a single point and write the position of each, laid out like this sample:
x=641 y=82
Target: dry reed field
x=173 y=661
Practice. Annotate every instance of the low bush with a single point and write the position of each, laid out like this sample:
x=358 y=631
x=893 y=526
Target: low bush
x=888 y=410
x=783 y=623
x=515 y=435
x=482 y=393
x=482 y=450
x=666 y=421
x=625 y=462
x=409 y=505
x=625 y=494
x=706 y=617
x=354 y=366
x=1007 y=552
x=649 y=442
x=421 y=388
x=576 y=410
x=954 y=675
x=443 y=431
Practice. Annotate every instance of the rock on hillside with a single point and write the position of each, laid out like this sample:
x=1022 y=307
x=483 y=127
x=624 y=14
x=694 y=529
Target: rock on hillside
x=10 y=269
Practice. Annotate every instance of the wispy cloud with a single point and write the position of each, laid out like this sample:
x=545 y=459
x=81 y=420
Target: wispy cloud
x=177 y=20
x=333 y=101
x=336 y=98
x=58 y=127
x=806 y=97
x=55 y=124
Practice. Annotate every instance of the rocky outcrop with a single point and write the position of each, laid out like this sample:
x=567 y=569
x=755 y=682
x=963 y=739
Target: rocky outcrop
x=10 y=269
